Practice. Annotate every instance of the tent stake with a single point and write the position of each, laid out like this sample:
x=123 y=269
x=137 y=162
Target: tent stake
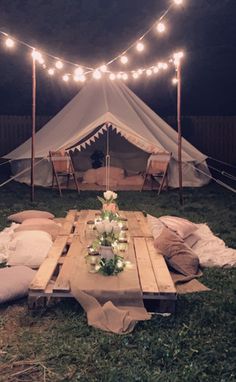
x=33 y=126
x=178 y=69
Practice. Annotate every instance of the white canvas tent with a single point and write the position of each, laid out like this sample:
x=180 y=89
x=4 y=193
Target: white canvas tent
x=84 y=119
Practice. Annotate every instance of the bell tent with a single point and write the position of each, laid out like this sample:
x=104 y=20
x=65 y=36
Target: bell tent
x=108 y=112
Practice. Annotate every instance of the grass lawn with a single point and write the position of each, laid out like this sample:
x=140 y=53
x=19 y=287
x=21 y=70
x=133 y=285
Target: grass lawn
x=194 y=344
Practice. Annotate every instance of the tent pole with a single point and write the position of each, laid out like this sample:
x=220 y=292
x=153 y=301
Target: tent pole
x=178 y=69
x=33 y=126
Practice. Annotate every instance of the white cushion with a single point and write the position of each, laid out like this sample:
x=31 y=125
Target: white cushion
x=46 y=225
x=182 y=227
x=19 y=217
x=155 y=226
x=15 y=282
x=29 y=248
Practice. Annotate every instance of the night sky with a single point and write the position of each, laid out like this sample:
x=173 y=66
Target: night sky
x=91 y=32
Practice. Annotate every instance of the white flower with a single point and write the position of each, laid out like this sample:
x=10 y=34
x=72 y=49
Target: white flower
x=100 y=227
x=107 y=226
x=97 y=267
x=116 y=229
x=108 y=195
x=119 y=264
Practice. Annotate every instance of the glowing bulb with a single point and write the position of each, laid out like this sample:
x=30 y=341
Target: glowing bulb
x=174 y=81
x=9 y=43
x=155 y=69
x=160 y=65
x=140 y=71
x=51 y=71
x=65 y=78
x=124 y=59
x=78 y=71
x=177 y=57
x=41 y=60
x=97 y=74
x=135 y=75
x=125 y=76
x=178 y=2
x=112 y=76
x=140 y=46
x=36 y=55
x=161 y=27
x=148 y=72
x=59 y=65
x=80 y=78
x=103 y=68
x=165 y=66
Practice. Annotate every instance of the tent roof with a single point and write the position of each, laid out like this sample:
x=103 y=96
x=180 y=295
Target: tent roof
x=97 y=103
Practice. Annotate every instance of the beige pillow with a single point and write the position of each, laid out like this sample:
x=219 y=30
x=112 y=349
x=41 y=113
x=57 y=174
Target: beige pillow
x=192 y=239
x=29 y=248
x=19 y=217
x=15 y=282
x=178 y=255
x=182 y=227
x=45 y=225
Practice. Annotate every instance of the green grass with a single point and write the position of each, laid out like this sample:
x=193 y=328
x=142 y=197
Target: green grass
x=194 y=344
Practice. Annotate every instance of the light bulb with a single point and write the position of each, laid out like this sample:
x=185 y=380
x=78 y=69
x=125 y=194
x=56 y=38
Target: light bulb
x=79 y=78
x=9 y=42
x=160 y=65
x=140 y=46
x=41 y=60
x=112 y=76
x=161 y=27
x=140 y=71
x=124 y=59
x=125 y=76
x=78 y=71
x=135 y=75
x=148 y=72
x=97 y=74
x=155 y=69
x=178 y=2
x=65 y=78
x=103 y=68
x=36 y=55
x=174 y=81
x=51 y=71
x=59 y=65
x=165 y=66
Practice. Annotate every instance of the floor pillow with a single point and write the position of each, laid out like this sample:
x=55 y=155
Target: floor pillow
x=19 y=217
x=182 y=227
x=192 y=239
x=155 y=225
x=46 y=225
x=29 y=248
x=15 y=282
x=178 y=255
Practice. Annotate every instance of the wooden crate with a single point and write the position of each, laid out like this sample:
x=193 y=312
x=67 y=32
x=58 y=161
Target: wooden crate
x=52 y=278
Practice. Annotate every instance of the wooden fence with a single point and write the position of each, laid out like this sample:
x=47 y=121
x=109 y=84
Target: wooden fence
x=214 y=136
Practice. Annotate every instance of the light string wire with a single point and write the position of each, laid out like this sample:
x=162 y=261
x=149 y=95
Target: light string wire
x=223 y=173
x=90 y=69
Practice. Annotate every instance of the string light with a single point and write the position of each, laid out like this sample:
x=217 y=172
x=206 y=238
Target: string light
x=174 y=81
x=178 y=2
x=177 y=57
x=112 y=76
x=36 y=55
x=140 y=71
x=165 y=66
x=78 y=71
x=149 y=72
x=51 y=71
x=140 y=46
x=65 y=78
x=103 y=68
x=9 y=42
x=135 y=75
x=155 y=69
x=97 y=74
x=59 y=65
x=124 y=59
x=161 y=27
x=79 y=78
x=125 y=76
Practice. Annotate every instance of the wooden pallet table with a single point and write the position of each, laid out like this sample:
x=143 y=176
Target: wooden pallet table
x=52 y=278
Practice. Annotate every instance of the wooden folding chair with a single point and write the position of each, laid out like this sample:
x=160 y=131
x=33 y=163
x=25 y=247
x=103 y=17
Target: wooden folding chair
x=62 y=166
x=157 y=169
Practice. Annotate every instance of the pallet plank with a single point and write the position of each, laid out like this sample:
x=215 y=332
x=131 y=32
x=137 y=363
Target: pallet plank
x=62 y=282
x=161 y=272
x=143 y=223
x=135 y=230
x=146 y=275
x=49 y=265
